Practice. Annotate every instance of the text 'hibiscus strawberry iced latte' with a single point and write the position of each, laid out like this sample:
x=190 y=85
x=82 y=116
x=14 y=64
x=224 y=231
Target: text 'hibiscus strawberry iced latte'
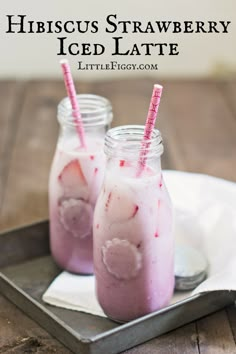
x=75 y=180
x=133 y=226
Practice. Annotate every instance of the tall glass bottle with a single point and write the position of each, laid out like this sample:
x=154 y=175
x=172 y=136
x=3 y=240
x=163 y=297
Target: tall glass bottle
x=133 y=238
x=75 y=181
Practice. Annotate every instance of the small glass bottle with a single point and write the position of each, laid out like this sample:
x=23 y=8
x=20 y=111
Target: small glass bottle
x=75 y=181
x=133 y=222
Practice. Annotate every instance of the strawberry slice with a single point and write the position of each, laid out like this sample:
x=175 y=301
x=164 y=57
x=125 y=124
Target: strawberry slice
x=73 y=181
x=119 y=205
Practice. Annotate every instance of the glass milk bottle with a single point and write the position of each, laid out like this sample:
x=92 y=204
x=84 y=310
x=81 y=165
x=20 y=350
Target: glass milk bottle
x=75 y=181
x=133 y=229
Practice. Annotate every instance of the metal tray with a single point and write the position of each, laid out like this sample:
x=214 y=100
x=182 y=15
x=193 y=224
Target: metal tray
x=26 y=270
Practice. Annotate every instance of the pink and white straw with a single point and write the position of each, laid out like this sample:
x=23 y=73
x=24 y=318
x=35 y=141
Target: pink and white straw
x=149 y=126
x=70 y=88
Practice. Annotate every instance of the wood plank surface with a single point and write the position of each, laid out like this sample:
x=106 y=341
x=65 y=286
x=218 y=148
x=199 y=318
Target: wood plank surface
x=11 y=99
x=201 y=128
x=19 y=334
x=198 y=123
x=215 y=335
x=229 y=92
x=182 y=340
x=231 y=314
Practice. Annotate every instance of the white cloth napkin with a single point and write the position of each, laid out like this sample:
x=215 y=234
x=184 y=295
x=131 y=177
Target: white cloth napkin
x=205 y=218
x=74 y=292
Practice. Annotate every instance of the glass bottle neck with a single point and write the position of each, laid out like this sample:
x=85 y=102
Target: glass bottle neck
x=126 y=150
x=94 y=110
x=96 y=115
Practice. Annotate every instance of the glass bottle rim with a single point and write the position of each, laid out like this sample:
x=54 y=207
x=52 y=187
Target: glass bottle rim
x=126 y=140
x=95 y=110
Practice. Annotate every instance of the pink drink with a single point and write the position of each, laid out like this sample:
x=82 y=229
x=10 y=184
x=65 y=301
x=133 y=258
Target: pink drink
x=133 y=241
x=75 y=181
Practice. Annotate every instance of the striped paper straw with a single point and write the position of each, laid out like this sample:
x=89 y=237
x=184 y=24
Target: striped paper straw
x=71 y=93
x=149 y=126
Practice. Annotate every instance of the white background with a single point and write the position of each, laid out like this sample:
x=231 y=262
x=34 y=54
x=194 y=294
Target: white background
x=34 y=56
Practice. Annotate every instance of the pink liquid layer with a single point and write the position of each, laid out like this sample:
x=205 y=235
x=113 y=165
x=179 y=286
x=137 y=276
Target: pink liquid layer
x=75 y=182
x=133 y=244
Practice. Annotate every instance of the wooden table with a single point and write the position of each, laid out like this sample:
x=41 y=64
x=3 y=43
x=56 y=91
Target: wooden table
x=198 y=123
